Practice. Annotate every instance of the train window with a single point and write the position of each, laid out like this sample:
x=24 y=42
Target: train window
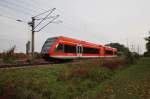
x=69 y=49
x=87 y=50
x=109 y=52
x=48 y=44
x=60 y=48
x=51 y=39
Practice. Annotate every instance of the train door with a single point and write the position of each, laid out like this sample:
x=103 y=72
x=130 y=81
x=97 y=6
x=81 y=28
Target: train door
x=101 y=51
x=79 y=50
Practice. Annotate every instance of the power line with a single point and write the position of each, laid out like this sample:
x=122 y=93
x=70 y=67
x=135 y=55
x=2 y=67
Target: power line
x=48 y=23
x=12 y=18
x=45 y=12
x=15 y=6
x=32 y=24
x=36 y=3
x=32 y=3
x=46 y=18
x=18 y=5
x=51 y=11
x=12 y=6
x=12 y=12
x=14 y=9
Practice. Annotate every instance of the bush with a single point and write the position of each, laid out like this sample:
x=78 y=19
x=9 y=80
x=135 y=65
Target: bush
x=146 y=54
x=113 y=63
x=82 y=77
x=37 y=55
x=9 y=59
x=100 y=74
x=129 y=58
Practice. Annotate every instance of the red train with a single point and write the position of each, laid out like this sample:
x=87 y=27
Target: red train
x=68 y=48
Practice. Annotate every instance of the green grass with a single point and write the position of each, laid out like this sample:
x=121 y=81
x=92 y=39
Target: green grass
x=131 y=83
x=31 y=83
x=84 y=80
x=9 y=59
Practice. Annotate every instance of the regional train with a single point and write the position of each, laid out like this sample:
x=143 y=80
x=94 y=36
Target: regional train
x=68 y=48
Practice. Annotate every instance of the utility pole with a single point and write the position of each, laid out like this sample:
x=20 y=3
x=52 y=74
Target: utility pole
x=138 y=49
x=33 y=31
x=127 y=43
x=32 y=24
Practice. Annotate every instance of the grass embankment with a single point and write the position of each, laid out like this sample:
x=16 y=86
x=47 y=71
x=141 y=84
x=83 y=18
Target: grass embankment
x=83 y=80
x=130 y=83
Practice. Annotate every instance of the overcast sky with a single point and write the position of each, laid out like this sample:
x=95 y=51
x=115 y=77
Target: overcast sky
x=97 y=21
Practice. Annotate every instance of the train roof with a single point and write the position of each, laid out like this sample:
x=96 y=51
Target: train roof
x=81 y=41
x=74 y=40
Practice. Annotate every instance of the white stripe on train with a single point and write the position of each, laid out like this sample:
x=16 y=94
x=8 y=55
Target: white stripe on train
x=70 y=57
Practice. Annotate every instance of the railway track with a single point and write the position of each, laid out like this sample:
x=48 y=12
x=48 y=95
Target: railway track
x=37 y=63
x=24 y=65
x=42 y=62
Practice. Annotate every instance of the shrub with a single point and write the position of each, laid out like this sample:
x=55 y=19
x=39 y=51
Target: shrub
x=146 y=54
x=96 y=73
x=37 y=55
x=9 y=59
x=129 y=58
x=100 y=74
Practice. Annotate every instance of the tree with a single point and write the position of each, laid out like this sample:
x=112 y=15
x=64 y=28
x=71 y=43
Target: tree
x=122 y=50
x=147 y=39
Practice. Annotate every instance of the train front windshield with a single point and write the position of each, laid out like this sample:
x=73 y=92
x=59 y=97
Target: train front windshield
x=46 y=47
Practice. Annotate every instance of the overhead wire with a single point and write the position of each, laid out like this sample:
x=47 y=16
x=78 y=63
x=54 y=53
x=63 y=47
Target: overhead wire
x=12 y=18
x=45 y=12
x=14 y=9
x=10 y=7
x=48 y=23
x=32 y=4
x=36 y=3
x=19 y=5
x=51 y=11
